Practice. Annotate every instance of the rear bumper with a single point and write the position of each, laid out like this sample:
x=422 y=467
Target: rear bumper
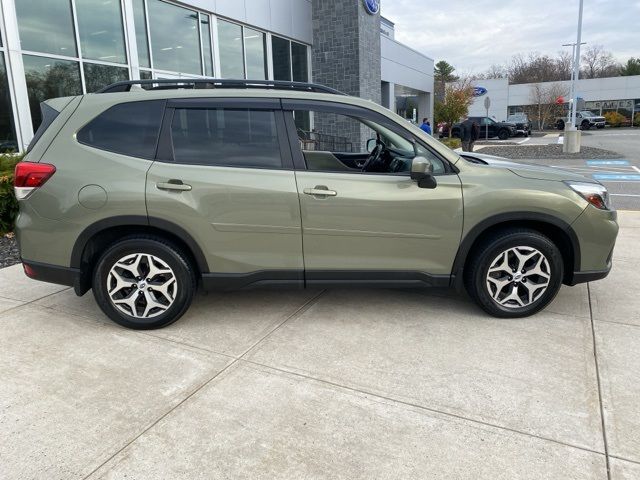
x=51 y=273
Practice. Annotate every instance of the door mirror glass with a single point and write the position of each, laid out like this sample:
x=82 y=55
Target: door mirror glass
x=371 y=144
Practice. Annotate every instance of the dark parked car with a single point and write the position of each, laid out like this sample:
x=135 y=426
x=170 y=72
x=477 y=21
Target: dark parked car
x=523 y=124
x=502 y=130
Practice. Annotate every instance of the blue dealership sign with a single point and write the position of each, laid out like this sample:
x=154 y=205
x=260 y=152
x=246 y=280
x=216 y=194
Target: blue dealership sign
x=372 y=6
x=479 y=91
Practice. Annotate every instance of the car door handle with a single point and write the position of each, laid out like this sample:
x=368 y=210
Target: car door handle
x=320 y=190
x=174 y=185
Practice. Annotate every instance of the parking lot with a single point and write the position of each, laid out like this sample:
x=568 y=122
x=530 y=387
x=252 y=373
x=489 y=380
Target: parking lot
x=325 y=384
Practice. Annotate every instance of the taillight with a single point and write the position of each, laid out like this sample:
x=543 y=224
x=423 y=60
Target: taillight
x=29 y=176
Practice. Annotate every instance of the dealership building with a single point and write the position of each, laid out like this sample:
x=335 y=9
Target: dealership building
x=53 y=48
x=600 y=95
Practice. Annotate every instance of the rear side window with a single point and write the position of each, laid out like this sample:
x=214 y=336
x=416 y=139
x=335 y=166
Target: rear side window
x=226 y=137
x=49 y=114
x=127 y=128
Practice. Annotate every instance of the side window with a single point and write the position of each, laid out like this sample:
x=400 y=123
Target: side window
x=335 y=142
x=127 y=128
x=226 y=137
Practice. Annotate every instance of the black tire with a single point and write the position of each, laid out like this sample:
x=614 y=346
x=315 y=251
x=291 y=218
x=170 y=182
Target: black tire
x=477 y=271
x=585 y=125
x=161 y=249
x=560 y=125
x=503 y=134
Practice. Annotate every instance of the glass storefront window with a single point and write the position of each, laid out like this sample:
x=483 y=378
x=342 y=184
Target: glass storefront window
x=46 y=26
x=299 y=62
x=49 y=78
x=98 y=76
x=281 y=58
x=254 y=46
x=175 y=42
x=7 y=128
x=145 y=75
x=230 y=45
x=140 y=24
x=100 y=30
x=205 y=31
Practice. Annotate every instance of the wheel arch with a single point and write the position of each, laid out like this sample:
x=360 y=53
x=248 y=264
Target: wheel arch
x=97 y=236
x=559 y=231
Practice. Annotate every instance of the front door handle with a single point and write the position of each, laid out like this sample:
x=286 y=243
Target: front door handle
x=174 y=185
x=320 y=191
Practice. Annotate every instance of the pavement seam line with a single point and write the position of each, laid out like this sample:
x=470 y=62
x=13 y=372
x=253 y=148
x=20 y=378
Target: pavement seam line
x=619 y=323
x=595 y=358
x=234 y=361
x=25 y=303
x=423 y=407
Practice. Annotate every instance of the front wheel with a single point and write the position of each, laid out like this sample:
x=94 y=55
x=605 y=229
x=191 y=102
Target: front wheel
x=560 y=125
x=503 y=134
x=514 y=273
x=585 y=125
x=143 y=282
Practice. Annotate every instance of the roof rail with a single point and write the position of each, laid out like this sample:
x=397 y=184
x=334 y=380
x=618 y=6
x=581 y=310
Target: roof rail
x=205 y=83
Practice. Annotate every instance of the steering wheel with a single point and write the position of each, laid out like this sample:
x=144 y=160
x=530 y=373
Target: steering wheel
x=374 y=160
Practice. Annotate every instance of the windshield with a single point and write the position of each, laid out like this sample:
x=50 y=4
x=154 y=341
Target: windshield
x=587 y=113
x=516 y=118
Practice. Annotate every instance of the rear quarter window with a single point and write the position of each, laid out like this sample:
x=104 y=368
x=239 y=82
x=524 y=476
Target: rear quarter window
x=127 y=128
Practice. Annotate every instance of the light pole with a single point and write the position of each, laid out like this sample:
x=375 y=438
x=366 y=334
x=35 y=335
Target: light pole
x=573 y=62
x=572 y=135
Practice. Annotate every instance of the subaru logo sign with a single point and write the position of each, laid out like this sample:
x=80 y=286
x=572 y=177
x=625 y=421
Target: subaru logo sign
x=479 y=91
x=372 y=6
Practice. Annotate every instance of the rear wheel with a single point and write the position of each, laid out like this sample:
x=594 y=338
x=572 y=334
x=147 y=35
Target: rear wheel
x=143 y=282
x=514 y=273
x=560 y=125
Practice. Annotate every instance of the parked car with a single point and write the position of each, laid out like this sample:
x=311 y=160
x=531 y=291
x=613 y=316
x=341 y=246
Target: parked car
x=522 y=123
x=502 y=130
x=144 y=196
x=584 y=120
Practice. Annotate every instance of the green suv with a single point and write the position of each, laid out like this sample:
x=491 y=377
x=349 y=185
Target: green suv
x=150 y=189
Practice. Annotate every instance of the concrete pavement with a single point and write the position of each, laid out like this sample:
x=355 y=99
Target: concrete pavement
x=325 y=384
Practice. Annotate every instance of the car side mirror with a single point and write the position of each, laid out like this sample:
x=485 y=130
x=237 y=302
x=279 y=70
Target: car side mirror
x=371 y=144
x=422 y=172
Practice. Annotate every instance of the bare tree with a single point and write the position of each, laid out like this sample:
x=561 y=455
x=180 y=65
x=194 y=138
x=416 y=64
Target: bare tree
x=598 y=62
x=537 y=68
x=544 y=107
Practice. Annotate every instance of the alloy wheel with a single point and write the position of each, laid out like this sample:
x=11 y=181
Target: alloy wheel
x=141 y=285
x=518 y=277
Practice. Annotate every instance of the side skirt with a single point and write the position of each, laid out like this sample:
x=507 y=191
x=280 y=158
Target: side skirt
x=323 y=278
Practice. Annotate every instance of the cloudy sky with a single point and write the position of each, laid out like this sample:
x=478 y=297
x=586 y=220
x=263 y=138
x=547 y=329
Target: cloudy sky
x=473 y=34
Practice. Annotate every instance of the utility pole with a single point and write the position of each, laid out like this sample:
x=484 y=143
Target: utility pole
x=571 y=134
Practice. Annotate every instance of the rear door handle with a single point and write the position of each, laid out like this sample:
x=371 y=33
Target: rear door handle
x=321 y=191
x=173 y=185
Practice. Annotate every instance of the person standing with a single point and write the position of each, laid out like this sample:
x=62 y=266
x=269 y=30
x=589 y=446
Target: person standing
x=426 y=126
x=469 y=133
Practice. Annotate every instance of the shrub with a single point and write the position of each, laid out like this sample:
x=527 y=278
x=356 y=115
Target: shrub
x=8 y=202
x=452 y=142
x=636 y=120
x=614 y=119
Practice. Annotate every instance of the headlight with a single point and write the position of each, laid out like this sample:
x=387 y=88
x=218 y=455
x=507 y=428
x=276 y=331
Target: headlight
x=594 y=193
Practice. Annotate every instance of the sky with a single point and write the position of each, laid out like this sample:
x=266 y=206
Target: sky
x=473 y=35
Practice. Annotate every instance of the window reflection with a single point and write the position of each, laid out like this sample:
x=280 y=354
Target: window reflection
x=7 y=128
x=100 y=29
x=230 y=44
x=299 y=62
x=255 y=52
x=98 y=76
x=49 y=78
x=141 y=33
x=281 y=58
x=175 y=43
x=205 y=30
x=46 y=26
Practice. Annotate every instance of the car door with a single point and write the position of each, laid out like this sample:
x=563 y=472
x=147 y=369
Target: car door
x=223 y=174
x=369 y=226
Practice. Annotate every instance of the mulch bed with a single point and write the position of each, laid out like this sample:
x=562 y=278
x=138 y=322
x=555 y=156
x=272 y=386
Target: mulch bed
x=548 y=151
x=8 y=251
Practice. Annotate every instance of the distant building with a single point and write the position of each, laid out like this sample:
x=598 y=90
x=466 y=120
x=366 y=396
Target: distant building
x=600 y=95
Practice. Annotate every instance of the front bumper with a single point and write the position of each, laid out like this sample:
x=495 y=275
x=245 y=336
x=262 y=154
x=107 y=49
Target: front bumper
x=592 y=276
